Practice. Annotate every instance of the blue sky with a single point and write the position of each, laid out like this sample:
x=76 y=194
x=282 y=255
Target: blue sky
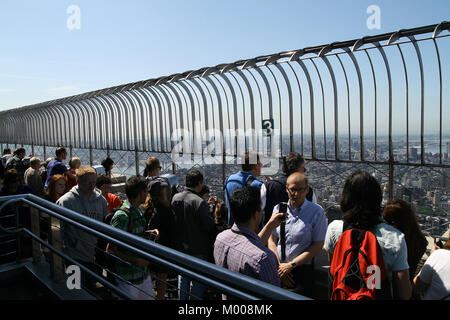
x=121 y=42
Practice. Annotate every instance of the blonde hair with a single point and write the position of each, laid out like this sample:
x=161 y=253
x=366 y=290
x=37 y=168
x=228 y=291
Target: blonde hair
x=84 y=171
x=74 y=162
x=34 y=161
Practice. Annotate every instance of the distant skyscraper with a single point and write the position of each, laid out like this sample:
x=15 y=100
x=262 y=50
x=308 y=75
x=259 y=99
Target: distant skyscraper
x=414 y=153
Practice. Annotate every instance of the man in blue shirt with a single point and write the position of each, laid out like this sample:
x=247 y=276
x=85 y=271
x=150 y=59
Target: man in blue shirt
x=251 y=168
x=57 y=166
x=305 y=230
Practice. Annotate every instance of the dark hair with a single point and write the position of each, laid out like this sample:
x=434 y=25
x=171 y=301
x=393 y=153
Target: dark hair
x=102 y=180
x=193 y=178
x=205 y=190
x=244 y=202
x=19 y=151
x=11 y=175
x=6 y=151
x=249 y=158
x=134 y=186
x=107 y=163
x=221 y=212
x=361 y=200
x=59 y=151
x=292 y=162
x=399 y=214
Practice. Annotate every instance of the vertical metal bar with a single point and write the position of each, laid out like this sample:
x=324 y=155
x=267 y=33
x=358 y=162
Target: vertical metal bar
x=35 y=228
x=407 y=101
x=348 y=108
x=300 y=104
x=440 y=100
x=375 y=101
x=323 y=108
x=422 y=100
x=391 y=154
x=335 y=98
x=291 y=109
x=311 y=106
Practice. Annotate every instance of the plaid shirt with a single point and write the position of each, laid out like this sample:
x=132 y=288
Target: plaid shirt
x=131 y=273
x=242 y=251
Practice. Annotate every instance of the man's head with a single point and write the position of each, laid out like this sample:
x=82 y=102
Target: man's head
x=252 y=163
x=194 y=180
x=297 y=188
x=61 y=153
x=104 y=184
x=152 y=167
x=74 y=163
x=293 y=162
x=35 y=163
x=136 y=189
x=7 y=151
x=245 y=205
x=20 y=152
x=87 y=178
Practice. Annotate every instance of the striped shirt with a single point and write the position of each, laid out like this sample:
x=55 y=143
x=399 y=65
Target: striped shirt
x=240 y=250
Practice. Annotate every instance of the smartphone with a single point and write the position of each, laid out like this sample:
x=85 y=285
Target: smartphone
x=151 y=236
x=438 y=242
x=283 y=209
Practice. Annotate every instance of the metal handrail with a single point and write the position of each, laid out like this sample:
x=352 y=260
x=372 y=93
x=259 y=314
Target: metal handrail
x=237 y=285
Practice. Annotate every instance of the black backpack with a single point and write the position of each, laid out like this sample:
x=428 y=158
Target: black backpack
x=103 y=258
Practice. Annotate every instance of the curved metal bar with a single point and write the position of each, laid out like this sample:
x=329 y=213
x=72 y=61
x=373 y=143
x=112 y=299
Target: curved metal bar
x=170 y=87
x=440 y=99
x=300 y=105
x=291 y=110
x=335 y=97
x=348 y=108
x=134 y=96
x=407 y=101
x=112 y=143
x=252 y=106
x=422 y=99
x=361 y=101
x=193 y=118
x=128 y=104
x=234 y=106
x=149 y=101
x=236 y=118
x=167 y=113
x=122 y=110
x=103 y=121
x=80 y=121
x=222 y=115
x=98 y=123
x=205 y=108
x=219 y=107
x=158 y=100
x=86 y=123
x=375 y=98
x=323 y=108
x=48 y=134
x=311 y=106
x=91 y=125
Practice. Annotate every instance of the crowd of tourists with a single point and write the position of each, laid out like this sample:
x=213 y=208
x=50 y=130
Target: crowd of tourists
x=271 y=229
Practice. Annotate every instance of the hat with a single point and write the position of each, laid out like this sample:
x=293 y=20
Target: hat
x=156 y=186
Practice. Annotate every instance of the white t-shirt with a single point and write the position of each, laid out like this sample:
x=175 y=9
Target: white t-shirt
x=436 y=273
x=392 y=243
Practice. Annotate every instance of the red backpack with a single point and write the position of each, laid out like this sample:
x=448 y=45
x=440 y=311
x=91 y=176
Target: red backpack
x=357 y=269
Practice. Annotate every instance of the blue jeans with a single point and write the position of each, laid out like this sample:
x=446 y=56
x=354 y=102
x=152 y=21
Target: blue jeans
x=189 y=289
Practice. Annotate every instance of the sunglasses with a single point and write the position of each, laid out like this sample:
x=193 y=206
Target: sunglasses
x=300 y=190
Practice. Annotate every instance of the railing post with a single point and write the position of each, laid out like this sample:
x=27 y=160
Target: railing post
x=35 y=228
x=57 y=268
x=91 y=162
x=45 y=152
x=136 y=160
